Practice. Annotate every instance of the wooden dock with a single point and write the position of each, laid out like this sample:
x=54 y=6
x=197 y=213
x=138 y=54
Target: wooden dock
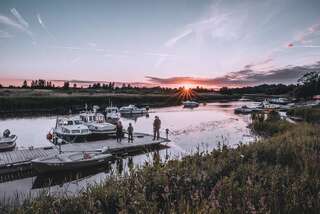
x=20 y=160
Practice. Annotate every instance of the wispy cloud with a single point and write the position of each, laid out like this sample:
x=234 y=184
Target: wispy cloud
x=306 y=38
x=44 y=26
x=172 y=41
x=259 y=65
x=21 y=24
x=20 y=19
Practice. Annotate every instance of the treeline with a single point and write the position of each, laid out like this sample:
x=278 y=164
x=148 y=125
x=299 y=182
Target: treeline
x=106 y=87
x=274 y=89
x=307 y=87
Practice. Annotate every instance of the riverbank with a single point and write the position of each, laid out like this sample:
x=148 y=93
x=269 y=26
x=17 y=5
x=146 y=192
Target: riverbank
x=275 y=175
x=24 y=102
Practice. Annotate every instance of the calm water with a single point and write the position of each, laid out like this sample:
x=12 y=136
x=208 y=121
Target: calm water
x=202 y=128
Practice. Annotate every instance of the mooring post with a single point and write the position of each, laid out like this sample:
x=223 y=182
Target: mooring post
x=167 y=133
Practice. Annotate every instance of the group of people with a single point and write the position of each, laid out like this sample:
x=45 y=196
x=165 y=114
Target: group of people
x=120 y=133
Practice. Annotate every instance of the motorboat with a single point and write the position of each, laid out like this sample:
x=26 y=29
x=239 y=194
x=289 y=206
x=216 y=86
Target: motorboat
x=112 y=114
x=70 y=161
x=267 y=105
x=97 y=125
x=245 y=110
x=132 y=109
x=7 y=141
x=70 y=130
x=279 y=101
x=190 y=104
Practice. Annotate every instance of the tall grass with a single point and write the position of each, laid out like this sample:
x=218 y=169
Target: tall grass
x=307 y=114
x=275 y=175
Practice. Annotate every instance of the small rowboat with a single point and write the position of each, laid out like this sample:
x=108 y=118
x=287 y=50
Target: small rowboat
x=8 y=143
x=70 y=161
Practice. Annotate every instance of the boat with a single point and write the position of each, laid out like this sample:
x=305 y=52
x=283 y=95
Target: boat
x=99 y=128
x=267 y=105
x=72 y=161
x=70 y=130
x=245 y=110
x=7 y=141
x=279 y=101
x=132 y=109
x=190 y=104
x=112 y=114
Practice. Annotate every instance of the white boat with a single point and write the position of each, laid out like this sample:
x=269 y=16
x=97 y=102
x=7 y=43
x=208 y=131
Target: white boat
x=267 y=105
x=71 y=130
x=97 y=124
x=112 y=114
x=70 y=161
x=245 y=110
x=190 y=104
x=132 y=109
x=279 y=101
x=7 y=141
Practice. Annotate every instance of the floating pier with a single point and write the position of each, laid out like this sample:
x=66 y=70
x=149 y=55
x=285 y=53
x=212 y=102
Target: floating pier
x=18 y=161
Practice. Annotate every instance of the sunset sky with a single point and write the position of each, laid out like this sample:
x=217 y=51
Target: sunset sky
x=210 y=43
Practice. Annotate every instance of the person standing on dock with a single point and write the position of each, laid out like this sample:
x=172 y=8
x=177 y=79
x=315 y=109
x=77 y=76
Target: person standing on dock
x=130 y=133
x=119 y=131
x=156 y=128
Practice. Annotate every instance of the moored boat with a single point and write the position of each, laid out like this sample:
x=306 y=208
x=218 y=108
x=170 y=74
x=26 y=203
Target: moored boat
x=7 y=141
x=99 y=128
x=112 y=114
x=70 y=130
x=190 y=104
x=132 y=109
x=245 y=110
x=70 y=161
x=279 y=101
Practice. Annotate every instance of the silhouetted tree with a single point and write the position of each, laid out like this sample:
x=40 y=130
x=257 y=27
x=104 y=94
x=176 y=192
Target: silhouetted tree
x=66 y=85
x=309 y=85
x=25 y=84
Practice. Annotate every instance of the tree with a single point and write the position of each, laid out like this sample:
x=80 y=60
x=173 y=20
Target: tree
x=66 y=85
x=308 y=85
x=25 y=84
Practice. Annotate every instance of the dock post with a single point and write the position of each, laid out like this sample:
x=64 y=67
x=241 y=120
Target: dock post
x=167 y=133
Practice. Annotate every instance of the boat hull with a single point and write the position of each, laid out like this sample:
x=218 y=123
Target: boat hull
x=8 y=144
x=7 y=147
x=45 y=167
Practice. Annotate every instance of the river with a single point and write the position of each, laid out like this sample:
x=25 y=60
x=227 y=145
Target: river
x=201 y=128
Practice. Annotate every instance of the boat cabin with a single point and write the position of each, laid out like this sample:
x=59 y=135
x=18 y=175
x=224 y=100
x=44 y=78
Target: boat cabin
x=92 y=117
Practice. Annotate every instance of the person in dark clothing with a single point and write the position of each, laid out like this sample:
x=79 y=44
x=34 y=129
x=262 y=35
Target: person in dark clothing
x=130 y=133
x=156 y=128
x=119 y=131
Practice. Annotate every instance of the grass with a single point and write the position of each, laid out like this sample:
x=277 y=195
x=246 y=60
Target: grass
x=269 y=125
x=275 y=175
x=311 y=114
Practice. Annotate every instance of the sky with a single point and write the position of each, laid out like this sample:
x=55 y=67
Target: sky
x=166 y=42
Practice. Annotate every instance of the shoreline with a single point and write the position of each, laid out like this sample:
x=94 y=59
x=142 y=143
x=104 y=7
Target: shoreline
x=48 y=105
